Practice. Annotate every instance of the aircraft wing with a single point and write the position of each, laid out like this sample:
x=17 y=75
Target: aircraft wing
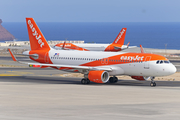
x=132 y=46
x=117 y=47
x=70 y=66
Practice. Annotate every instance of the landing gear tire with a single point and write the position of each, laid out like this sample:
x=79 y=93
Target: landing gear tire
x=88 y=81
x=152 y=84
x=85 y=81
x=113 y=79
x=116 y=80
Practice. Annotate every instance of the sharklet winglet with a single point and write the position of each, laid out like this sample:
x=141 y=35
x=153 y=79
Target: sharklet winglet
x=12 y=55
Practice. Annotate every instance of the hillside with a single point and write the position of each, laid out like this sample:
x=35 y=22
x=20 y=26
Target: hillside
x=4 y=34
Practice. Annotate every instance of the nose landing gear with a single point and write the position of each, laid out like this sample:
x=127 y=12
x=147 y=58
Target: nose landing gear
x=152 y=84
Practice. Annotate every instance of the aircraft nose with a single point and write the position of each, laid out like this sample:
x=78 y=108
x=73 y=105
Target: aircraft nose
x=172 y=69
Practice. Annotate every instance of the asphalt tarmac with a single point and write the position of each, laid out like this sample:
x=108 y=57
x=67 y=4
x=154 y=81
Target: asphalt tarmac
x=35 y=94
x=60 y=98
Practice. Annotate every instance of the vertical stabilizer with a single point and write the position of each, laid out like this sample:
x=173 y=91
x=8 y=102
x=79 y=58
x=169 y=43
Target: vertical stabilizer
x=121 y=37
x=36 y=38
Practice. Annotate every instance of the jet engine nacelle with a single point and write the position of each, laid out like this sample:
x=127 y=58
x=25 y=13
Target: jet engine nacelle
x=140 y=78
x=98 y=76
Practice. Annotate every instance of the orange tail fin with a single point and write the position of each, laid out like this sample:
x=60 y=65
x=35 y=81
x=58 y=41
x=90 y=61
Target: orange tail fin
x=121 y=37
x=36 y=38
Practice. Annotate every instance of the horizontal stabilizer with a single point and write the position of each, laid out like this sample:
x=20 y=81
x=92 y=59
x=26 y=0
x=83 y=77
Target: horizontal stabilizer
x=116 y=47
x=33 y=55
x=132 y=46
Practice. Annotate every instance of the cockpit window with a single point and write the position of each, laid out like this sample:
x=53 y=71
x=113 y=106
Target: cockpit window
x=166 y=61
x=161 y=62
x=157 y=62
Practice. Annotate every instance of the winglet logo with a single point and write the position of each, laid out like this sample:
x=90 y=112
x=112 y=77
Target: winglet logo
x=34 y=33
x=119 y=37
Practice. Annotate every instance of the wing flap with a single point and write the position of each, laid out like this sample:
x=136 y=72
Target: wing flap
x=72 y=66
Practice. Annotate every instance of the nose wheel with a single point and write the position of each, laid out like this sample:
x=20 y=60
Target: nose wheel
x=152 y=84
x=85 y=81
x=113 y=79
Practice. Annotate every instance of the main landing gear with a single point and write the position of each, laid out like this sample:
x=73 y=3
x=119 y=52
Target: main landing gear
x=85 y=81
x=113 y=79
x=152 y=84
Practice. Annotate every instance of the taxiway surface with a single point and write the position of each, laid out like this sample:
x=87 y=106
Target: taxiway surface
x=59 y=98
x=34 y=93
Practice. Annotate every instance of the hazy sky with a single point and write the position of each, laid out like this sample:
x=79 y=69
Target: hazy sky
x=90 y=10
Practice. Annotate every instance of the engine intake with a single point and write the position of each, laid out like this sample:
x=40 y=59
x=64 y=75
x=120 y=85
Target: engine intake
x=98 y=76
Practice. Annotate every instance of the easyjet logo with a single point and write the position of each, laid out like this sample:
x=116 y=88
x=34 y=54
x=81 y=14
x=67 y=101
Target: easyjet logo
x=119 y=37
x=34 y=33
x=132 y=58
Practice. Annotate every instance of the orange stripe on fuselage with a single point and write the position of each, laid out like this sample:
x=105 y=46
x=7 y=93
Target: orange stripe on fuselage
x=124 y=58
x=71 y=46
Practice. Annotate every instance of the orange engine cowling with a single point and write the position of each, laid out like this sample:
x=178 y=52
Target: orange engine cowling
x=141 y=78
x=98 y=76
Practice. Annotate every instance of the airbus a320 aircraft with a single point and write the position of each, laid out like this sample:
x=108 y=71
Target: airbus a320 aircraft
x=96 y=66
x=117 y=45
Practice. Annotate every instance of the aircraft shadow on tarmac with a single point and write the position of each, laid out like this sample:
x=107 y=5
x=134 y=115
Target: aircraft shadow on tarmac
x=77 y=81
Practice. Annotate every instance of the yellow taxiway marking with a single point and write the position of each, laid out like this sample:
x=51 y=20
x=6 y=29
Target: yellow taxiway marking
x=15 y=73
x=19 y=72
x=9 y=75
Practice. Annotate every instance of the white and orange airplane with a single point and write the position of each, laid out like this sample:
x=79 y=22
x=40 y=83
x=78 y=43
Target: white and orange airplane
x=96 y=66
x=117 y=45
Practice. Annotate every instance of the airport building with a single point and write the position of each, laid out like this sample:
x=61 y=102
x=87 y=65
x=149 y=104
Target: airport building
x=50 y=42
